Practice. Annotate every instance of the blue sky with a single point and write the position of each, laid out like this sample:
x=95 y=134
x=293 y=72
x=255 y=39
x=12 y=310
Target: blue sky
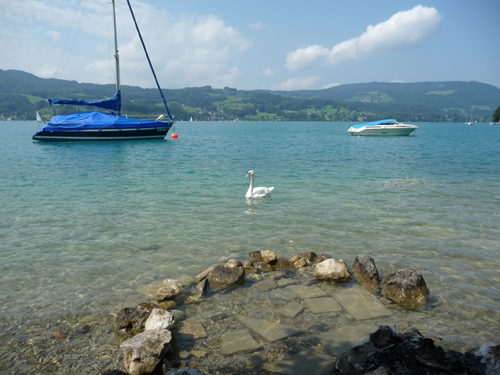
x=275 y=45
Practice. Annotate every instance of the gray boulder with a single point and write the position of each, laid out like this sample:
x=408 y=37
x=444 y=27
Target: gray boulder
x=143 y=352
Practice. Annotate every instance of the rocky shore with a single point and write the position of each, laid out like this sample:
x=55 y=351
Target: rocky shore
x=309 y=314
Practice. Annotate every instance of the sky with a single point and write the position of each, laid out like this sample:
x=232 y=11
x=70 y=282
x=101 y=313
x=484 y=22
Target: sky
x=258 y=44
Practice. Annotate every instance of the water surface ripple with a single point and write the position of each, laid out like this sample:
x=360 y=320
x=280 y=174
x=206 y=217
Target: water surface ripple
x=84 y=226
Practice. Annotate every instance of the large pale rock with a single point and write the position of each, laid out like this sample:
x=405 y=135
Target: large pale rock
x=406 y=287
x=221 y=277
x=366 y=272
x=143 y=352
x=332 y=270
x=160 y=319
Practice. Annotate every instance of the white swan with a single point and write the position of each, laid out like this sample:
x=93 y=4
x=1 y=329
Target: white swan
x=258 y=192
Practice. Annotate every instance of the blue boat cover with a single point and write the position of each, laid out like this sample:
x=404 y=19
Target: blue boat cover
x=114 y=103
x=96 y=120
x=380 y=122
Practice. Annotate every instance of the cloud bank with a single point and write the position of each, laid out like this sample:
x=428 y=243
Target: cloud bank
x=404 y=30
x=185 y=50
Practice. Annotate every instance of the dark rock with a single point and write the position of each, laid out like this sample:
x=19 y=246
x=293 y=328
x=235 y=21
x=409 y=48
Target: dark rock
x=490 y=356
x=382 y=370
x=406 y=287
x=284 y=264
x=255 y=256
x=133 y=318
x=221 y=277
x=408 y=354
x=366 y=272
x=384 y=337
x=355 y=360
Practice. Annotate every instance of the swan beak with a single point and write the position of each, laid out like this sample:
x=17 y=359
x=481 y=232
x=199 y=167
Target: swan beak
x=248 y=175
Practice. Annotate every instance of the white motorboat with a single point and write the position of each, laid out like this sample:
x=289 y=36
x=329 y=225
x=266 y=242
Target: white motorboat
x=388 y=127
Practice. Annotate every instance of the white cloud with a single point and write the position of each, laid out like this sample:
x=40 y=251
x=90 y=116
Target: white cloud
x=404 y=30
x=331 y=85
x=268 y=72
x=298 y=83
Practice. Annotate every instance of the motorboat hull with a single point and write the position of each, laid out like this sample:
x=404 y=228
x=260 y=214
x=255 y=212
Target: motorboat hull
x=383 y=131
x=383 y=128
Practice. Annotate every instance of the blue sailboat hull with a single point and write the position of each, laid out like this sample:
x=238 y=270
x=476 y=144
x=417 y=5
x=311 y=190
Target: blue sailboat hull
x=95 y=126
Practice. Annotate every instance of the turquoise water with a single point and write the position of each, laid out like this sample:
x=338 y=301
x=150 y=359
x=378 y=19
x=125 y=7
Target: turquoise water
x=85 y=226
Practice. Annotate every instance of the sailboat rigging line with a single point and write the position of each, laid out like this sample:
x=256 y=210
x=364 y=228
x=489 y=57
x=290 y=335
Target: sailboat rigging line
x=149 y=61
x=62 y=64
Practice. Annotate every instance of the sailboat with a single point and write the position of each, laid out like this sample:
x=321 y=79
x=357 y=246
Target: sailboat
x=470 y=122
x=105 y=126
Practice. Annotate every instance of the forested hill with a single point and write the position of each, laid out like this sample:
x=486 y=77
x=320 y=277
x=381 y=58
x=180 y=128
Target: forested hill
x=21 y=94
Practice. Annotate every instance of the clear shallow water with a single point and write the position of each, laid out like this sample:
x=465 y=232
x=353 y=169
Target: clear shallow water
x=85 y=226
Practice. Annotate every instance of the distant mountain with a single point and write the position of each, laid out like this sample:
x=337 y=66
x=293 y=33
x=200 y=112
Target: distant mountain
x=21 y=94
x=451 y=97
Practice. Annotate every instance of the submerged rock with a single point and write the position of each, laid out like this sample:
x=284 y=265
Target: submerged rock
x=168 y=291
x=303 y=259
x=406 y=287
x=220 y=277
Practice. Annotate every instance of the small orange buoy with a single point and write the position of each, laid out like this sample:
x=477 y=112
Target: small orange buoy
x=174 y=135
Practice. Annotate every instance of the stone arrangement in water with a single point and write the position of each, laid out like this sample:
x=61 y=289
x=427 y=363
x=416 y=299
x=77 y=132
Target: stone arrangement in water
x=265 y=315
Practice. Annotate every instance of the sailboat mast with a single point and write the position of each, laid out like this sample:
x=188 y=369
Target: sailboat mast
x=117 y=59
